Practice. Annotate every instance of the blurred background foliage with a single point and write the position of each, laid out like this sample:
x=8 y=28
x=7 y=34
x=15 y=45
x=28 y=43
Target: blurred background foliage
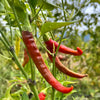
x=84 y=34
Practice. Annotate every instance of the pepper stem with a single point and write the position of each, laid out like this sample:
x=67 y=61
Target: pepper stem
x=46 y=37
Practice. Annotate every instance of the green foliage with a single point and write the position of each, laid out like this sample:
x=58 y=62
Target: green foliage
x=33 y=3
x=24 y=96
x=49 y=26
x=98 y=1
x=52 y=18
x=46 y=5
x=1 y=7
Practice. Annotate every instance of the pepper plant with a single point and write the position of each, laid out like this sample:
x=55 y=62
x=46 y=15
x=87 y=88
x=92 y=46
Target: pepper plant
x=30 y=27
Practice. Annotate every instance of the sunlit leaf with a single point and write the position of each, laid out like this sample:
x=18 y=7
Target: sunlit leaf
x=7 y=94
x=46 y=5
x=33 y=3
x=1 y=7
x=17 y=45
x=22 y=14
x=72 y=13
x=98 y=1
x=45 y=89
x=49 y=26
x=24 y=96
x=6 y=5
x=66 y=95
x=68 y=82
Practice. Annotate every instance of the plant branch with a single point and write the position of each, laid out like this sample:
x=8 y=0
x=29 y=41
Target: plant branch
x=14 y=11
x=5 y=57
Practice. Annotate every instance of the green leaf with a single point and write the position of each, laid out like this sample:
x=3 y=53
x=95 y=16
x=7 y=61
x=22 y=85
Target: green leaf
x=6 y=5
x=45 y=89
x=1 y=7
x=46 y=5
x=8 y=98
x=7 y=94
x=67 y=82
x=33 y=3
x=60 y=95
x=24 y=96
x=66 y=95
x=98 y=1
x=21 y=11
x=49 y=26
x=22 y=14
x=72 y=14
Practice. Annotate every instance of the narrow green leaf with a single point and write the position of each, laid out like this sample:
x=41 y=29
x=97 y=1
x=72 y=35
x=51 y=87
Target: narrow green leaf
x=33 y=3
x=66 y=95
x=7 y=94
x=24 y=96
x=22 y=14
x=98 y=1
x=72 y=14
x=1 y=7
x=68 y=82
x=21 y=11
x=6 y=5
x=49 y=26
x=46 y=5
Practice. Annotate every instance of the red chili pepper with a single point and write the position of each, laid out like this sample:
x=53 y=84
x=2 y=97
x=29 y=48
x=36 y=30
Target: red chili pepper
x=63 y=48
x=39 y=62
x=42 y=96
x=26 y=58
x=63 y=68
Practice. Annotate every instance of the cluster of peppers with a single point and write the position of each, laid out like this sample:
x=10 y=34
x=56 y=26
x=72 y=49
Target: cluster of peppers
x=40 y=64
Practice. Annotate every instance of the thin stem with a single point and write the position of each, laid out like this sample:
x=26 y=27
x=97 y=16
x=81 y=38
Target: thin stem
x=14 y=55
x=45 y=21
x=63 y=10
x=45 y=48
x=19 y=65
x=43 y=15
x=36 y=14
x=32 y=70
x=35 y=30
x=54 y=68
x=60 y=40
x=14 y=11
x=52 y=35
x=10 y=28
x=5 y=57
x=33 y=78
x=62 y=32
x=33 y=88
x=5 y=38
x=9 y=24
x=53 y=94
x=5 y=44
x=54 y=74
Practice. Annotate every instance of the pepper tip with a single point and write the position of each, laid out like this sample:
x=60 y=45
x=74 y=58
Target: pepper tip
x=79 y=51
x=72 y=87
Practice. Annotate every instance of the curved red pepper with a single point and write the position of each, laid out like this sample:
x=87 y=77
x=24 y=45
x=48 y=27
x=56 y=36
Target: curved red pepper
x=42 y=96
x=26 y=58
x=39 y=62
x=63 y=68
x=63 y=48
